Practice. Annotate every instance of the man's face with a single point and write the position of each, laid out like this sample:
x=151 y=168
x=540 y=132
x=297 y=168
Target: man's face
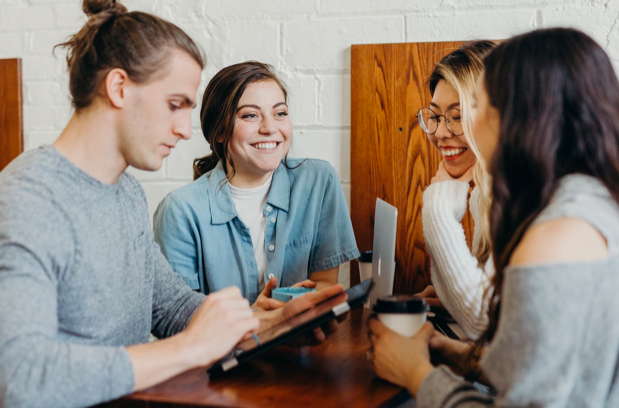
x=158 y=113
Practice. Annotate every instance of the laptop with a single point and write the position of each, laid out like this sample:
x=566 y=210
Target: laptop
x=383 y=250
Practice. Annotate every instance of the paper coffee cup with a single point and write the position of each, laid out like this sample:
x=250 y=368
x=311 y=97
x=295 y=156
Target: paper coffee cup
x=404 y=314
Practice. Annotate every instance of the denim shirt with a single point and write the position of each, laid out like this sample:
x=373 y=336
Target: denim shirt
x=308 y=229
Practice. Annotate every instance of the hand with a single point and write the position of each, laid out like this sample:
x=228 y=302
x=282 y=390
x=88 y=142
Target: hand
x=222 y=320
x=443 y=175
x=430 y=296
x=455 y=354
x=401 y=360
x=266 y=302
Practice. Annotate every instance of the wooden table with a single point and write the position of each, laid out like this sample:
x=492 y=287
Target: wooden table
x=333 y=374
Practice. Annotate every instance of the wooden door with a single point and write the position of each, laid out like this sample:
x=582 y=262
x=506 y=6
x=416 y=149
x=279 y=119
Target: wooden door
x=11 y=131
x=391 y=157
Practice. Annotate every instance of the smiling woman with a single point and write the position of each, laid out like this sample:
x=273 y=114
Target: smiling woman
x=459 y=275
x=254 y=218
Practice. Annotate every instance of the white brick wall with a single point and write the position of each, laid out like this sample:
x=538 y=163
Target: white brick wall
x=308 y=42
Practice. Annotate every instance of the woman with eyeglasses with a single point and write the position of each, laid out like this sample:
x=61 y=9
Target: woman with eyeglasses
x=546 y=125
x=459 y=277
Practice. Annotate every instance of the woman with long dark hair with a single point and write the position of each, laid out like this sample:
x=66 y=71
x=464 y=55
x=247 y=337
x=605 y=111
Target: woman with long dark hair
x=547 y=125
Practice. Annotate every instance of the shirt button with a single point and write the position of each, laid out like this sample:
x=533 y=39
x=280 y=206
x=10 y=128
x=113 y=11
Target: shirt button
x=271 y=276
x=271 y=248
x=273 y=220
x=269 y=208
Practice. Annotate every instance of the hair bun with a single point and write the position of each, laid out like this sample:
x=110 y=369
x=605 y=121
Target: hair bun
x=92 y=7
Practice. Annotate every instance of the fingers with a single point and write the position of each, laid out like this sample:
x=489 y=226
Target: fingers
x=305 y=284
x=319 y=334
x=269 y=304
x=268 y=288
x=317 y=297
x=426 y=332
x=376 y=327
x=427 y=292
x=432 y=301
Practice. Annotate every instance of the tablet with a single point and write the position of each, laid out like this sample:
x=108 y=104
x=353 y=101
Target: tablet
x=295 y=326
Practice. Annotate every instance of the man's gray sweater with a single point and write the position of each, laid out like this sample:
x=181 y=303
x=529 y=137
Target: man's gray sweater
x=81 y=278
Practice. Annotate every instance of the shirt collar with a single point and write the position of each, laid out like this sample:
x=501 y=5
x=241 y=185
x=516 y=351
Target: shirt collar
x=220 y=199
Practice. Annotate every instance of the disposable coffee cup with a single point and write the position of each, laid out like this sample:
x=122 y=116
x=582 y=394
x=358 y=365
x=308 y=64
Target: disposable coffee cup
x=404 y=314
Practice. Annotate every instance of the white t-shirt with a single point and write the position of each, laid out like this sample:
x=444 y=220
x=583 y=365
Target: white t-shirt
x=249 y=203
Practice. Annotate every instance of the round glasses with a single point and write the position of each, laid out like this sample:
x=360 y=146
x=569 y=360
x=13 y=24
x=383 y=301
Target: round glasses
x=428 y=120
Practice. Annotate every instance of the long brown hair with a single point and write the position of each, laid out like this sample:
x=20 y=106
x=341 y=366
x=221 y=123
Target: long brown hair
x=218 y=110
x=461 y=69
x=137 y=42
x=558 y=97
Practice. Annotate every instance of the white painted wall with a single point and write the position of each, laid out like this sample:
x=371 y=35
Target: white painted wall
x=307 y=41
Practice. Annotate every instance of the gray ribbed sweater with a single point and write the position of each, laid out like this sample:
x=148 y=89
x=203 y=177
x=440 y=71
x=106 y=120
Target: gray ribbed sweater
x=80 y=278
x=557 y=344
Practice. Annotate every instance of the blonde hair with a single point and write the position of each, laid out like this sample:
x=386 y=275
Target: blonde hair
x=461 y=69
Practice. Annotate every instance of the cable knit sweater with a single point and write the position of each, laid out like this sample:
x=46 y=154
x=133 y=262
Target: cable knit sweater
x=456 y=275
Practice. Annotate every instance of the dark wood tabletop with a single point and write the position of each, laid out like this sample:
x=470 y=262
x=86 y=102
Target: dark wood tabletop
x=335 y=373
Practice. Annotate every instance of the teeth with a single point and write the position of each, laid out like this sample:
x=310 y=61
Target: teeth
x=453 y=152
x=266 y=146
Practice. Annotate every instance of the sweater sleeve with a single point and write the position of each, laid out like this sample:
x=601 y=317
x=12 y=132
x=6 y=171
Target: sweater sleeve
x=457 y=278
x=543 y=346
x=37 y=368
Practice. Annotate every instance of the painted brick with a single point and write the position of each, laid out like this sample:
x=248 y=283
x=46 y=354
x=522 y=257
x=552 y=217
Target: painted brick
x=343 y=276
x=180 y=162
x=12 y=45
x=334 y=100
x=69 y=15
x=43 y=67
x=239 y=42
x=330 y=145
x=259 y=7
x=302 y=96
x=595 y=21
x=40 y=118
x=34 y=139
x=45 y=93
x=454 y=26
x=325 y=44
x=349 y=6
x=43 y=42
x=20 y=18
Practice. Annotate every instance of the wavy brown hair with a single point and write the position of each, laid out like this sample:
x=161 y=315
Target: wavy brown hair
x=137 y=42
x=558 y=97
x=218 y=111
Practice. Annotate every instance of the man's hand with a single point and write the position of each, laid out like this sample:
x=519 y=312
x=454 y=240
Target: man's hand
x=265 y=300
x=222 y=320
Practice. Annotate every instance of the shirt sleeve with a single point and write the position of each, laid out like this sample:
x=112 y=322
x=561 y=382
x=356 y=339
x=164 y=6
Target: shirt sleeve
x=36 y=368
x=537 y=353
x=176 y=237
x=457 y=278
x=335 y=240
x=174 y=302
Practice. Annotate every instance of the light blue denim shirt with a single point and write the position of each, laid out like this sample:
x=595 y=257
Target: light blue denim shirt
x=308 y=229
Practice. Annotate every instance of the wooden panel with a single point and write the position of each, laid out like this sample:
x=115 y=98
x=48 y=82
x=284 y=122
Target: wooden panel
x=391 y=157
x=11 y=139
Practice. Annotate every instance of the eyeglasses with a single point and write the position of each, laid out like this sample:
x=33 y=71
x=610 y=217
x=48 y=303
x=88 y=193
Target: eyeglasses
x=428 y=120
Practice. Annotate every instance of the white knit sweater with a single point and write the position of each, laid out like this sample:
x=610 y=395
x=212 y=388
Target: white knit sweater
x=457 y=278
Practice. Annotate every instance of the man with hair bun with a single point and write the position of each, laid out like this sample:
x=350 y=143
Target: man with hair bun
x=82 y=282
